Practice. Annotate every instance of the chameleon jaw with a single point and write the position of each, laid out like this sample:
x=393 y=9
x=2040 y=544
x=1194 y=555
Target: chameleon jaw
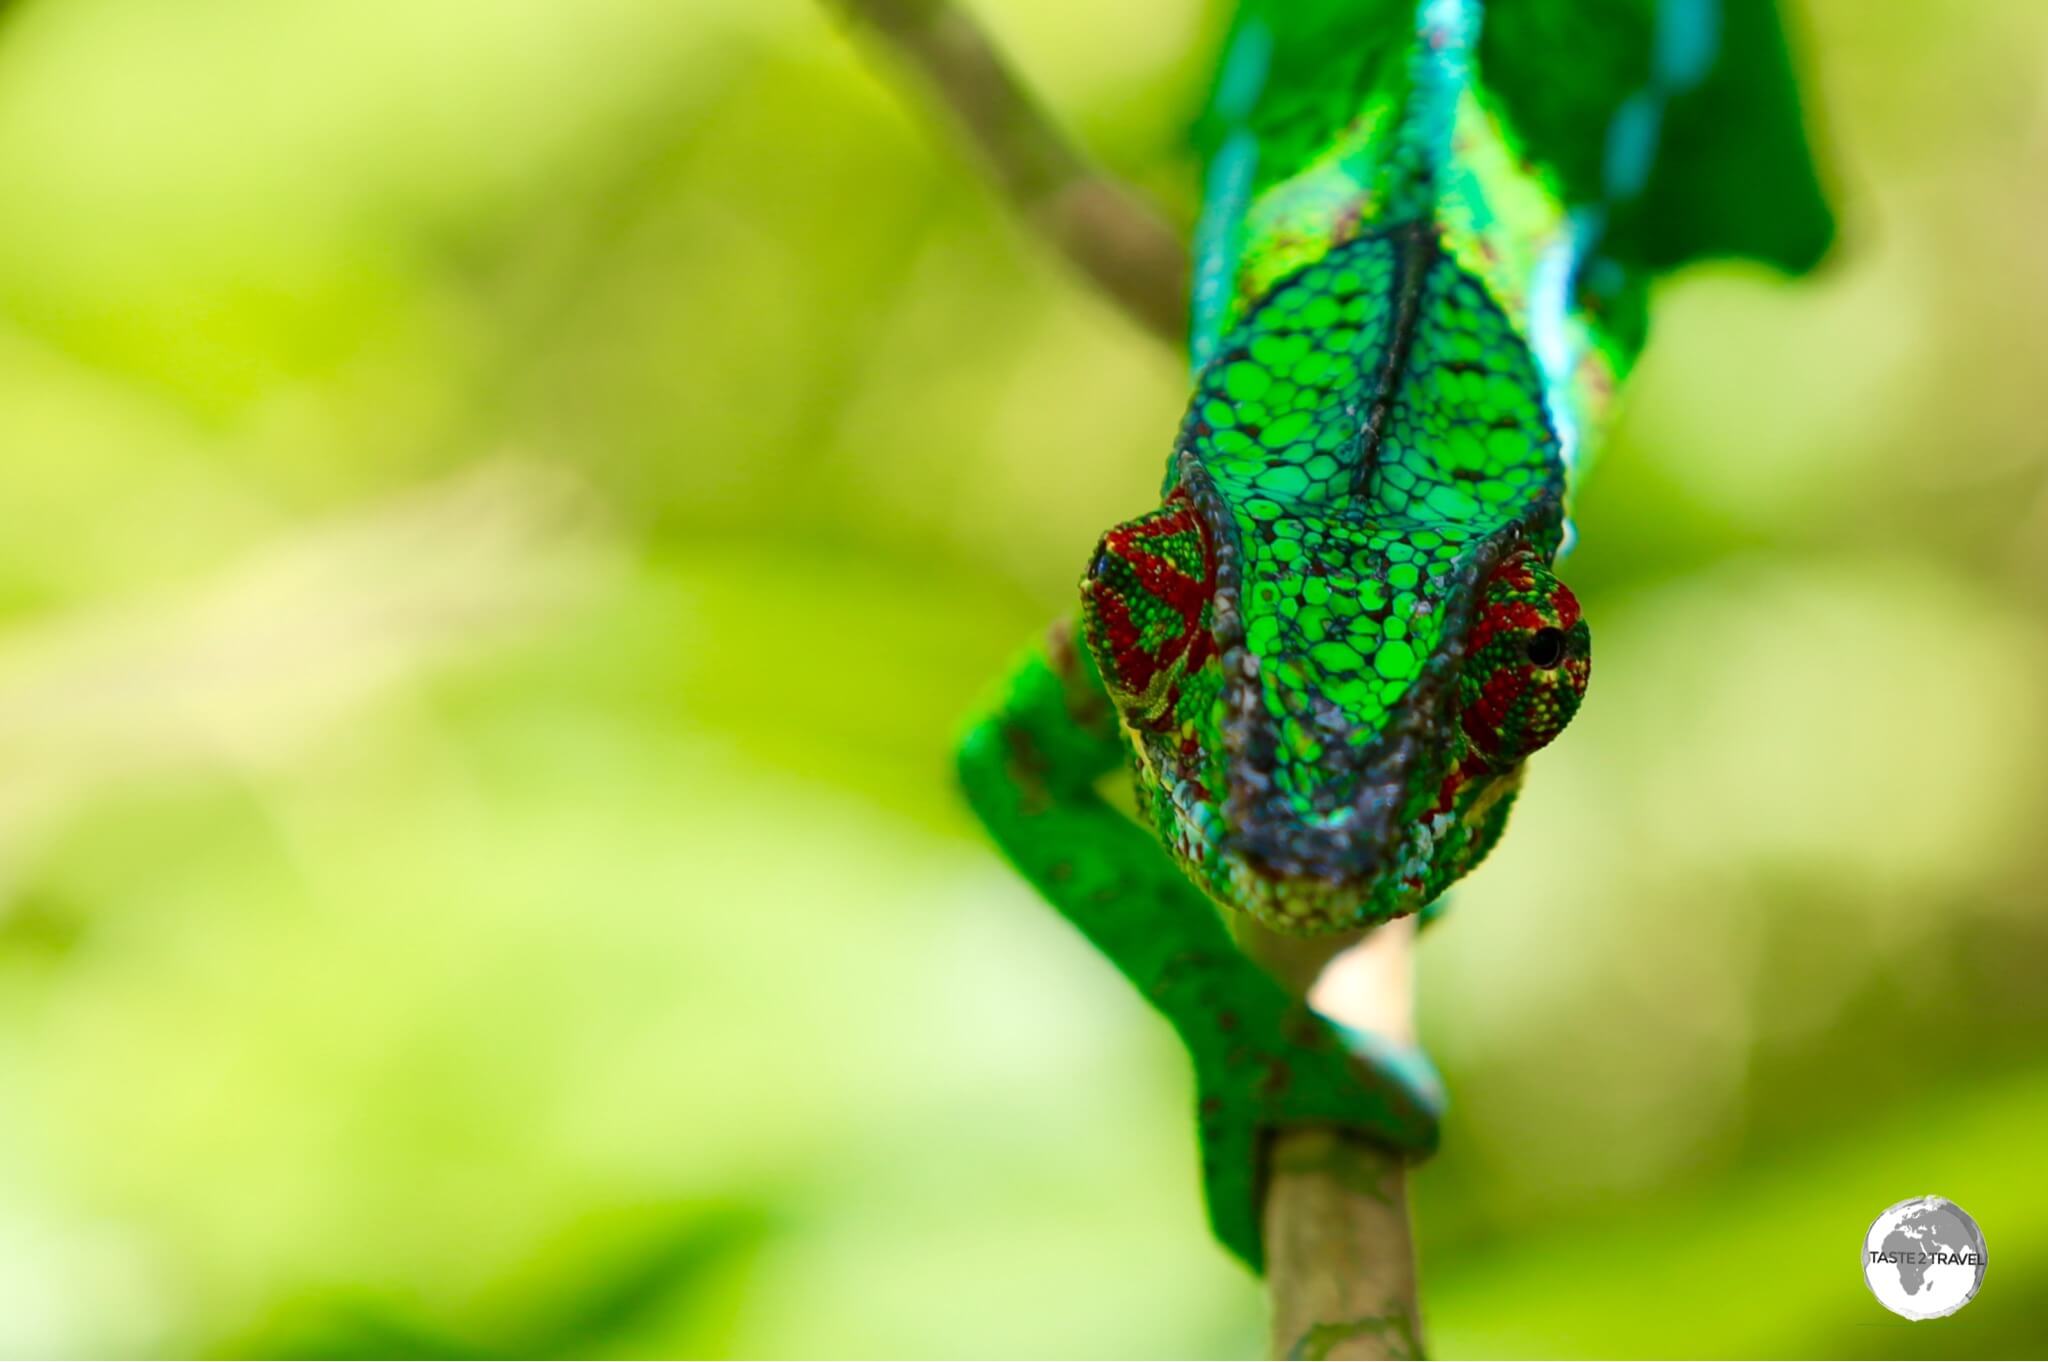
x=1390 y=879
x=1401 y=880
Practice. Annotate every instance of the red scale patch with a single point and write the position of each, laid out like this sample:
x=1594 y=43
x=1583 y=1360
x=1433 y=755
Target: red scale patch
x=1485 y=716
x=1519 y=687
x=1135 y=581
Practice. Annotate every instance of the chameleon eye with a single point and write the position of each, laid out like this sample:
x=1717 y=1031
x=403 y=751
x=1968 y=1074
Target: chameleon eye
x=1527 y=662
x=1546 y=647
x=1144 y=609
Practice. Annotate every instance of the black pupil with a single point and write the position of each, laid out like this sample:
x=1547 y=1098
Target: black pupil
x=1546 y=648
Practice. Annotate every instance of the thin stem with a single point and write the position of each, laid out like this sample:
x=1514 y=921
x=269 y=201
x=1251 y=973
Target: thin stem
x=1108 y=232
x=1340 y=1254
x=1340 y=1257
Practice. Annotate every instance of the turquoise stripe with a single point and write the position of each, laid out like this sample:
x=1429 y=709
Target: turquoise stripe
x=1687 y=41
x=1219 y=238
x=1227 y=189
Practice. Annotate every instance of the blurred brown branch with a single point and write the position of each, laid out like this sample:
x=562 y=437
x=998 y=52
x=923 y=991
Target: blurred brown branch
x=1107 y=231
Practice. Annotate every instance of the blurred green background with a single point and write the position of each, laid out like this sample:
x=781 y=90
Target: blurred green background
x=505 y=504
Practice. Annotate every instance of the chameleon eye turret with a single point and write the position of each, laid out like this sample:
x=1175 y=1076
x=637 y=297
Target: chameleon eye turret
x=1145 y=611
x=1527 y=662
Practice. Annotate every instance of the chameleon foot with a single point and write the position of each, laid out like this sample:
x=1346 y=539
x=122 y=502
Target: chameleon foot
x=1295 y=1068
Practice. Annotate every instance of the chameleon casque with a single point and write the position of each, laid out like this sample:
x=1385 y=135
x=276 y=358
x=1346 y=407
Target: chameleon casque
x=1420 y=276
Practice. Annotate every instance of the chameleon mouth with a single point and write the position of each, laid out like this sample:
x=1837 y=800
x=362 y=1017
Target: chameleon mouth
x=1360 y=849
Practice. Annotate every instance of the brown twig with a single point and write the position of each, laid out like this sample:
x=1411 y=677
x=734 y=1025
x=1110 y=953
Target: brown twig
x=1340 y=1261
x=1340 y=1256
x=1108 y=232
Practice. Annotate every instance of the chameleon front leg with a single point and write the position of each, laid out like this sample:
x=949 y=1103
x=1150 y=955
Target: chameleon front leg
x=1262 y=1059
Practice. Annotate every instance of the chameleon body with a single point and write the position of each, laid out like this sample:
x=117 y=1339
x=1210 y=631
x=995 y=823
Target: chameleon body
x=1419 y=281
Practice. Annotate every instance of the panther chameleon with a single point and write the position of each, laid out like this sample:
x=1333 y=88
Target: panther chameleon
x=1421 y=273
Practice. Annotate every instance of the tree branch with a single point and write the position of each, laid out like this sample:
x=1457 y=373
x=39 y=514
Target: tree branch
x=1340 y=1255
x=1108 y=232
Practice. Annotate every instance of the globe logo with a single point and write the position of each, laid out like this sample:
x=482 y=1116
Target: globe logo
x=1924 y=1258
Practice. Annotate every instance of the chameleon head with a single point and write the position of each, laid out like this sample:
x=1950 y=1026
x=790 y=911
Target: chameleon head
x=1314 y=789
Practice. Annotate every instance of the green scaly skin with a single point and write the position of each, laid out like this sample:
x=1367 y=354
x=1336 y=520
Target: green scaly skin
x=1326 y=656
